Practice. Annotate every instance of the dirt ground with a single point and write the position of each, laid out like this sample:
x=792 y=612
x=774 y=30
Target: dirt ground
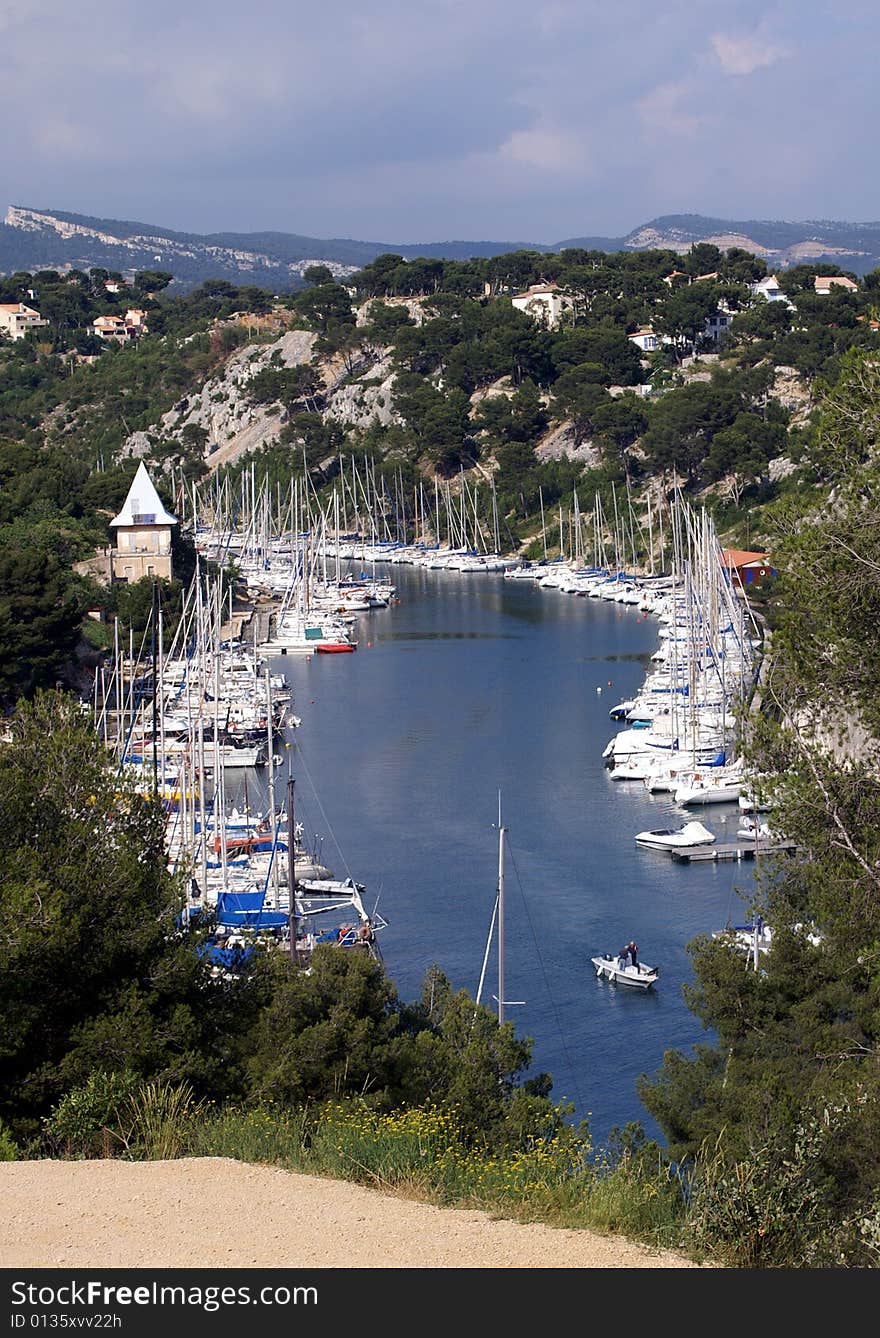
x=203 y=1212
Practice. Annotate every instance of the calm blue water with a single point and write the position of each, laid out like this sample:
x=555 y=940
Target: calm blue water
x=474 y=685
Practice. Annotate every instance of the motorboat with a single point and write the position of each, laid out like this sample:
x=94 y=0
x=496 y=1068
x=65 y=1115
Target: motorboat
x=751 y=830
x=719 y=785
x=620 y=971
x=676 y=838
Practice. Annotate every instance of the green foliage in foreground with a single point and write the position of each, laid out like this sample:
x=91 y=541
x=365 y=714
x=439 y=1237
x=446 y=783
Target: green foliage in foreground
x=780 y=1116
x=99 y=981
x=767 y=1210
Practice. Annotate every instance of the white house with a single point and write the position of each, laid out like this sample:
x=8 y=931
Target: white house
x=645 y=339
x=143 y=533
x=543 y=302
x=110 y=327
x=823 y=283
x=769 y=289
x=122 y=329
x=16 y=319
x=717 y=323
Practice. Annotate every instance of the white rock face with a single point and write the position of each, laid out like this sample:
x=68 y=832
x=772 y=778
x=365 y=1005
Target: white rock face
x=792 y=394
x=780 y=468
x=361 y=405
x=222 y=407
x=413 y=306
x=137 y=445
x=502 y=387
x=558 y=444
x=235 y=426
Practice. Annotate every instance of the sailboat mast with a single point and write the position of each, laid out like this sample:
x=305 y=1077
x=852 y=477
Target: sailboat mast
x=154 y=631
x=291 y=871
x=501 y=835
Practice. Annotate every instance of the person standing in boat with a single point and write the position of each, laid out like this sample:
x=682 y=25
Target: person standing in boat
x=633 y=951
x=622 y=956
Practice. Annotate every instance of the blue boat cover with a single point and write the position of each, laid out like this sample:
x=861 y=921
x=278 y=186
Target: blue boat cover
x=246 y=908
x=229 y=958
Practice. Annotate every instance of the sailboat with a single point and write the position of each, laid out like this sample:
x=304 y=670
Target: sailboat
x=498 y=915
x=306 y=913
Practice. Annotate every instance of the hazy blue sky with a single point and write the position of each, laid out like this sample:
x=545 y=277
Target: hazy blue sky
x=428 y=120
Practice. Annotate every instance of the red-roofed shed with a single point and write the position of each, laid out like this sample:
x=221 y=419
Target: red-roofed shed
x=750 y=568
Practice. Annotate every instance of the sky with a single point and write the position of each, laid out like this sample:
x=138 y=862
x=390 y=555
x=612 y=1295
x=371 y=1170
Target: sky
x=437 y=120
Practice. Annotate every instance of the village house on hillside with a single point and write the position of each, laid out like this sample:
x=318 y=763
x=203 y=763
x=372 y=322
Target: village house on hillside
x=122 y=329
x=646 y=339
x=16 y=319
x=544 y=302
x=768 y=288
x=717 y=323
x=143 y=533
x=823 y=283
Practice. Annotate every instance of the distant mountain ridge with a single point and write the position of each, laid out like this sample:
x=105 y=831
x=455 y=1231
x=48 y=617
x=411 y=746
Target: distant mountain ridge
x=33 y=239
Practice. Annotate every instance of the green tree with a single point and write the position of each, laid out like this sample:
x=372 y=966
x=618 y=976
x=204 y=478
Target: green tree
x=94 y=975
x=610 y=348
x=42 y=603
x=702 y=258
x=519 y=417
x=340 y=1030
x=796 y=1041
x=618 y=423
x=684 y=313
x=578 y=393
x=150 y=281
x=324 y=305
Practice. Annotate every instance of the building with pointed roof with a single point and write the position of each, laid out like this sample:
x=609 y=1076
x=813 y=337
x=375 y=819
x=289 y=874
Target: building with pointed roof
x=143 y=533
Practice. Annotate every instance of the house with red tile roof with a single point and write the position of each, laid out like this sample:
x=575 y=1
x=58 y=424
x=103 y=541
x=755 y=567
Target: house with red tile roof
x=16 y=319
x=745 y=567
x=544 y=302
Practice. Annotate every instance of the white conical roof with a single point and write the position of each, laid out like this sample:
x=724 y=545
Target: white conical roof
x=142 y=505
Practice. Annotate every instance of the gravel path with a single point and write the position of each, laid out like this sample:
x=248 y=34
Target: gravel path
x=208 y=1211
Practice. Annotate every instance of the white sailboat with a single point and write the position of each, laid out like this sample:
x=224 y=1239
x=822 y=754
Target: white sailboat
x=498 y=915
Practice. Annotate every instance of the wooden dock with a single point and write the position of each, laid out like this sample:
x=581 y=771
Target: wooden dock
x=734 y=850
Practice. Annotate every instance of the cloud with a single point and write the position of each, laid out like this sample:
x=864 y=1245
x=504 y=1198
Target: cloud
x=444 y=118
x=65 y=138
x=663 y=113
x=743 y=55
x=545 y=150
